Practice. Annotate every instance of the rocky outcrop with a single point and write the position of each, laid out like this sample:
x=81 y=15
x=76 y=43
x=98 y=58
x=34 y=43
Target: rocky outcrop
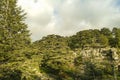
x=100 y=55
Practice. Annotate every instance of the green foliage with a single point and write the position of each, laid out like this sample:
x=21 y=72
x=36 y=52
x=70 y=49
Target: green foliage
x=52 y=43
x=13 y=31
x=106 y=32
x=116 y=34
x=10 y=74
x=59 y=65
x=91 y=38
x=95 y=38
x=55 y=57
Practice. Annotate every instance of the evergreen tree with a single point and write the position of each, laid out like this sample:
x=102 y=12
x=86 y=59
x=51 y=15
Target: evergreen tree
x=116 y=34
x=13 y=31
x=106 y=32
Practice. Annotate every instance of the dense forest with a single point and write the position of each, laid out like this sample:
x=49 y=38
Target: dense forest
x=92 y=54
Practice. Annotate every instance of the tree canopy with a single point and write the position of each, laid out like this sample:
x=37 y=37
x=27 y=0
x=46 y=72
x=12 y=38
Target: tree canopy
x=92 y=54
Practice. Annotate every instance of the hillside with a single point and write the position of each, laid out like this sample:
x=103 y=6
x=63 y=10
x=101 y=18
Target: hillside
x=92 y=54
x=88 y=55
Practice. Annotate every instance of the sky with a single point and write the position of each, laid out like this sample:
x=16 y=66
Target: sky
x=66 y=17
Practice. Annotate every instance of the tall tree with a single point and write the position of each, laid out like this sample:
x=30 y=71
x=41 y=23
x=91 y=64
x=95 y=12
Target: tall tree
x=13 y=31
x=116 y=34
x=106 y=32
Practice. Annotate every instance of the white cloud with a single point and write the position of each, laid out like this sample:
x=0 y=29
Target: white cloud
x=66 y=17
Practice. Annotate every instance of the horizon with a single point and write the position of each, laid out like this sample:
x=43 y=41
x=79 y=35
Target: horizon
x=66 y=17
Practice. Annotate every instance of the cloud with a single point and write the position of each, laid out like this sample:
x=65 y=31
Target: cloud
x=66 y=17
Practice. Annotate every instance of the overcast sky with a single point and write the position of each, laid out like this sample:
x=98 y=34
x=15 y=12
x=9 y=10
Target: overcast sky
x=66 y=17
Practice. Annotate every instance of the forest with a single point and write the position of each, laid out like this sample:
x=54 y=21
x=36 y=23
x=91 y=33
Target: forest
x=92 y=54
